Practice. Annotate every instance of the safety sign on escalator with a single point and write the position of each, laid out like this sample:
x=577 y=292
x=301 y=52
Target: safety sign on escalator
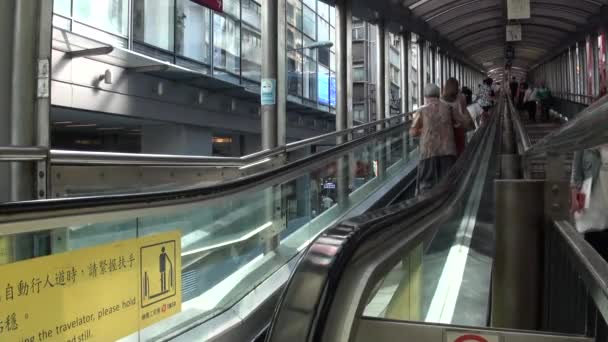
x=462 y=336
x=101 y=293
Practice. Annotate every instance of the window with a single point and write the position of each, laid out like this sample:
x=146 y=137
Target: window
x=153 y=23
x=323 y=10
x=359 y=113
x=294 y=13
x=359 y=33
x=107 y=15
x=226 y=49
x=395 y=75
x=294 y=38
x=309 y=22
x=359 y=73
x=192 y=31
x=251 y=13
x=310 y=79
x=294 y=73
x=63 y=7
x=252 y=54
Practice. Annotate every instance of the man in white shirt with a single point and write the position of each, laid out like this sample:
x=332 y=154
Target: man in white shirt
x=530 y=101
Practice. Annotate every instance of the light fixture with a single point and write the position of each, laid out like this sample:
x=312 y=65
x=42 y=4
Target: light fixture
x=201 y=97
x=160 y=88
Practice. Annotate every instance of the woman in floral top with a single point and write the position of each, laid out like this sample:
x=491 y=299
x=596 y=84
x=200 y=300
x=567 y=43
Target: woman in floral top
x=434 y=124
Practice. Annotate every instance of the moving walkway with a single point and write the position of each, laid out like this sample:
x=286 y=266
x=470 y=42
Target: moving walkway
x=240 y=239
x=434 y=270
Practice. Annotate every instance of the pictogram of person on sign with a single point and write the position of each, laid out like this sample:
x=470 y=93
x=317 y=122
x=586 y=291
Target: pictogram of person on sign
x=162 y=263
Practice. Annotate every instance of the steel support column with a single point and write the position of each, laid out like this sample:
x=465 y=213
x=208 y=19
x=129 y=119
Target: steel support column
x=23 y=94
x=274 y=111
x=405 y=72
x=381 y=155
x=344 y=84
x=421 y=79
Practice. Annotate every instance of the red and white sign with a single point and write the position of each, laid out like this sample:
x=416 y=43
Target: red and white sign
x=460 y=336
x=216 y=5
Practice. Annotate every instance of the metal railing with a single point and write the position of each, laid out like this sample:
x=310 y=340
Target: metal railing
x=84 y=173
x=586 y=130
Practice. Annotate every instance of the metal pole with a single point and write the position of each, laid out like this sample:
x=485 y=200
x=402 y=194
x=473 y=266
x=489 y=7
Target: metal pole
x=23 y=88
x=380 y=71
x=404 y=72
x=421 y=78
x=380 y=152
x=269 y=72
x=343 y=90
x=405 y=50
x=43 y=101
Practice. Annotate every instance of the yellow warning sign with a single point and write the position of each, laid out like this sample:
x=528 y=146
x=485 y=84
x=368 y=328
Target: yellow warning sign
x=94 y=294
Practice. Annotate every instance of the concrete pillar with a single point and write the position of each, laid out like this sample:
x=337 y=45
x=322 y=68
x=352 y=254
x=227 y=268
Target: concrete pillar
x=380 y=71
x=344 y=85
x=176 y=139
x=274 y=117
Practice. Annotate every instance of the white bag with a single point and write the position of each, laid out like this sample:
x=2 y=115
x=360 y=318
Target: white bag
x=594 y=216
x=475 y=110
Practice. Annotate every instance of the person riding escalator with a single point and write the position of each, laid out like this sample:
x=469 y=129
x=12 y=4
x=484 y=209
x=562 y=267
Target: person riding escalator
x=434 y=124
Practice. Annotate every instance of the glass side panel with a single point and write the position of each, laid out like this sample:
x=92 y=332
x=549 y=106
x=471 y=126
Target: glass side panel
x=230 y=245
x=447 y=279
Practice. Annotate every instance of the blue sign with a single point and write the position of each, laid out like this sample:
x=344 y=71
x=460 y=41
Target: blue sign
x=326 y=86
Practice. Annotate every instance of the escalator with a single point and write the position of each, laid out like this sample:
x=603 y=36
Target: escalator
x=430 y=269
x=240 y=239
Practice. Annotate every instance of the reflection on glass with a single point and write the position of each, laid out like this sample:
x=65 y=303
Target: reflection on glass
x=252 y=13
x=63 y=7
x=294 y=13
x=294 y=73
x=226 y=44
x=310 y=23
x=252 y=54
x=310 y=79
x=153 y=23
x=193 y=37
x=108 y=15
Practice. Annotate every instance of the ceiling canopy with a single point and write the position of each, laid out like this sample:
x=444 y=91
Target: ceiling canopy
x=476 y=29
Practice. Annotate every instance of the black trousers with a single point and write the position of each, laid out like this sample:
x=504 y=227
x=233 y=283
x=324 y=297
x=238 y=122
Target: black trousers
x=599 y=241
x=531 y=109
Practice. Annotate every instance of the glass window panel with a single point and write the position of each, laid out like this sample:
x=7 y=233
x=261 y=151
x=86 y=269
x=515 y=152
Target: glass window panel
x=332 y=61
x=312 y=53
x=332 y=15
x=193 y=39
x=294 y=73
x=226 y=44
x=231 y=7
x=309 y=22
x=323 y=10
x=359 y=74
x=359 y=113
x=108 y=15
x=252 y=13
x=323 y=30
x=153 y=23
x=294 y=38
x=63 y=7
x=311 y=3
x=252 y=54
x=310 y=79
x=294 y=13
x=324 y=56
